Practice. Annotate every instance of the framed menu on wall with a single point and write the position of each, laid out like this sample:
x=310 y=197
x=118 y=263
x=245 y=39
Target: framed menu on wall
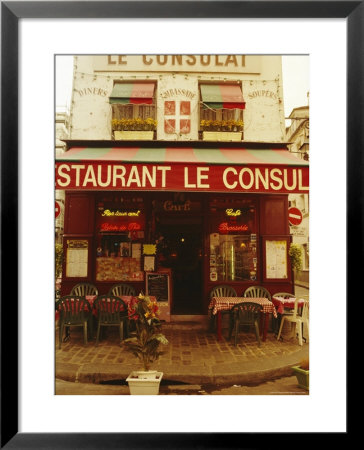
x=275 y=258
x=77 y=258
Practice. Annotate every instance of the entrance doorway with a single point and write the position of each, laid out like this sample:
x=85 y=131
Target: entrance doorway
x=183 y=254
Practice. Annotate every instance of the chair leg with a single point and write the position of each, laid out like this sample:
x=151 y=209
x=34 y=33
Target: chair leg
x=299 y=326
x=61 y=327
x=257 y=332
x=121 y=330
x=98 y=333
x=280 y=328
x=236 y=331
x=85 y=332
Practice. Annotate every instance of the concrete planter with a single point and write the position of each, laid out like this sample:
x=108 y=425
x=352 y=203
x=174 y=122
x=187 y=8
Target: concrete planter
x=303 y=377
x=225 y=136
x=133 y=135
x=144 y=383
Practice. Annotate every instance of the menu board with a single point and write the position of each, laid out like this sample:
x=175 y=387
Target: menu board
x=77 y=258
x=276 y=258
x=157 y=284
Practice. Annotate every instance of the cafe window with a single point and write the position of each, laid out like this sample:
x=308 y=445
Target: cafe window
x=221 y=107
x=133 y=106
x=233 y=241
x=121 y=228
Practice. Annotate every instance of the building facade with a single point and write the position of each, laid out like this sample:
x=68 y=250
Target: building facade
x=176 y=169
x=298 y=134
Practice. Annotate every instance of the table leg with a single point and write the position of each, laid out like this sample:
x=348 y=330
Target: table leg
x=266 y=322
x=218 y=326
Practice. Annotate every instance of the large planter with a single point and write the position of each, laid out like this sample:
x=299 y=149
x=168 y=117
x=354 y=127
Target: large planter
x=144 y=383
x=133 y=135
x=225 y=136
x=302 y=376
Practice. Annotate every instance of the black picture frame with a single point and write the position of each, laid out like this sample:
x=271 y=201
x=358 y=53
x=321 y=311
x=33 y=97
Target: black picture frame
x=11 y=13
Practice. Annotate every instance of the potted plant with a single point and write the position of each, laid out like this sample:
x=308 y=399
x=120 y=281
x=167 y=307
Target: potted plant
x=302 y=373
x=145 y=345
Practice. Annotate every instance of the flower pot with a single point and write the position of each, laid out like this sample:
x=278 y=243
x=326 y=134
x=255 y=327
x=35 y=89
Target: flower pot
x=302 y=376
x=144 y=383
x=133 y=135
x=225 y=136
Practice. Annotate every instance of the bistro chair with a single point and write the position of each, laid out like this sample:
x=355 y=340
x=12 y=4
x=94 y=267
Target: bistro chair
x=288 y=311
x=244 y=314
x=112 y=311
x=257 y=292
x=223 y=290
x=122 y=289
x=73 y=311
x=299 y=320
x=84 y=289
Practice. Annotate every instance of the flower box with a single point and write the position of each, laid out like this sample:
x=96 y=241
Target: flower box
x=144 y=382
x=133 y=135
x=225 y=136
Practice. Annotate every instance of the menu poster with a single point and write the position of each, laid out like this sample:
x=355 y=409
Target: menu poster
x=276 y=259
x=77 y=258
x=149 y=263
x=136 y=250
x=157 y=284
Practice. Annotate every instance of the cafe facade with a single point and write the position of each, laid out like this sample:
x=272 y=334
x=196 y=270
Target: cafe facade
x=177 y=176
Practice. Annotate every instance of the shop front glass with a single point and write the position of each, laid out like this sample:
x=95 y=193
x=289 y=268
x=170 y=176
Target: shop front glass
x=121 y=228
x=233 y=240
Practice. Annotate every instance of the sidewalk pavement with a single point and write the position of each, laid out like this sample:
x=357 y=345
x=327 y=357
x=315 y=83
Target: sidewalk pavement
x=193 y=356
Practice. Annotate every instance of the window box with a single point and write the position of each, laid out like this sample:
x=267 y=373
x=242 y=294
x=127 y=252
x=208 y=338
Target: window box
x=127 y=135
x=225 y=136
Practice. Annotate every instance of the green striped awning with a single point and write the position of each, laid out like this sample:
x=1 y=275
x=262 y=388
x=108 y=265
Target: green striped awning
x=218 y=96
x=213 y=156
x=134 y=93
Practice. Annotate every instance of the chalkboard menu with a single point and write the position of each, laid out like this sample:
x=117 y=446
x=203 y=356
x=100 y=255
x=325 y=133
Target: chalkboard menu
x=157 y=284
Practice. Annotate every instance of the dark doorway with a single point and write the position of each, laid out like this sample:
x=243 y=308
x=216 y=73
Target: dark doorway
x=183 y=253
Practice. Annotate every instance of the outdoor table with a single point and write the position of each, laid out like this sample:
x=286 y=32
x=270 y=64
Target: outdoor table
x=219 y=304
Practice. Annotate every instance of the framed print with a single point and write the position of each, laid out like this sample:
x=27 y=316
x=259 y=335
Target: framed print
x=27 y=92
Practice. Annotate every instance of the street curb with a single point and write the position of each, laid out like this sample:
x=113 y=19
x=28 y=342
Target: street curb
x=250 y=372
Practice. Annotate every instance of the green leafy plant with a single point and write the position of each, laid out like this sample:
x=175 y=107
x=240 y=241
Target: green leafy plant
x=295 y=252
x=58 y=266
x=145 y=345
x=58 y=260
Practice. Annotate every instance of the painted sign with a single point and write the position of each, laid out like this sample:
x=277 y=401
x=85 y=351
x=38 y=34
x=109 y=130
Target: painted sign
x=294 y=216
x=187 y=63
x=181 y=177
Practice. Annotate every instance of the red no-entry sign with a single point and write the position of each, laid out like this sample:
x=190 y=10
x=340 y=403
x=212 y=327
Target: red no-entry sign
x=58 y=209
x=294 y=216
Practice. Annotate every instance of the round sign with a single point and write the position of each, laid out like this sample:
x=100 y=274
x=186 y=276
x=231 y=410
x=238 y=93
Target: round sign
x=58 y=209
x=294 y=216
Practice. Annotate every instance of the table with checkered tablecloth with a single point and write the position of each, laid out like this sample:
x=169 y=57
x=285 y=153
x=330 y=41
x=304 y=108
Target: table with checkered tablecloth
x=219 y=304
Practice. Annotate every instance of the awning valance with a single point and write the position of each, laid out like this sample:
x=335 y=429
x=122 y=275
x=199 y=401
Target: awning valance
x=218 y=96
x=182 y=169
x=134 y=93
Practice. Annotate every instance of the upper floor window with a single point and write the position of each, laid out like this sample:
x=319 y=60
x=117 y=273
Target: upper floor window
x=133 y=107
x=221 y=107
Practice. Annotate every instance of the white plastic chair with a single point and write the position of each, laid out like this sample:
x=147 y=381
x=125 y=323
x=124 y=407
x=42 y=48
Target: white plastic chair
x=298 y=320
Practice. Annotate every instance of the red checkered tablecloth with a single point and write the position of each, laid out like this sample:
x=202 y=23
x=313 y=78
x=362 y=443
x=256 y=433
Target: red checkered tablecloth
x=225 y=303
x=280 y=303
